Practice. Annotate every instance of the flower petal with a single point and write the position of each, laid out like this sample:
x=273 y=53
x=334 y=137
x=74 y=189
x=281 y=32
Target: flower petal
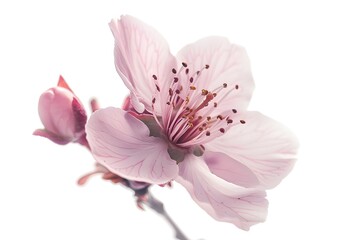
x=122 y=144
x=51 y=136
x=230 y=170
x=262 y=144
x=224 y=201
x=228 y=63
x=140 y=54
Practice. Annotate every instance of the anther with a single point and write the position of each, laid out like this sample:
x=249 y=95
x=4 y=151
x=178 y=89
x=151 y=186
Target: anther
x=215 y=104
x=177 y=91
x=192 y=88
x=207 y=66
x=191 y=79
x=187 y=71
x=170 y=92
x=204 y=92
x=229 y=121
x=236 y=87
x=222 y=130
x=153 y=100
x=157 y=87
x=173 y=71
x=176 y=79
x=220 y=117
x=154 y=77
x=225 y=85
x=207 y=133
x=208 y=118
x=184 y=64
x=242 y=121
x=234 y=111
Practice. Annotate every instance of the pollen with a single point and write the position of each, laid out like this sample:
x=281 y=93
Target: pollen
x=191 y=112
x=204 y=92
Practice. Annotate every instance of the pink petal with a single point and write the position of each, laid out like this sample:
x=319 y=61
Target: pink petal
x=122 y=144
x=224 y=201
x=262 y=144
x=227 y=63
x=51 y=136
x=56 y=112
x=230 y=170
x=140 y=53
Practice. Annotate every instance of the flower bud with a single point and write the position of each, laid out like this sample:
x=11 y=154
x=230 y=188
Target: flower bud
x=62 y=115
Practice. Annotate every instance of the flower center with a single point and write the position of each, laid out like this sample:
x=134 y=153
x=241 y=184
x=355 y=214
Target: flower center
x=192 y=115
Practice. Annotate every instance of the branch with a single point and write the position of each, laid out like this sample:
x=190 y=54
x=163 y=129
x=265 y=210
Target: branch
x=158 y=207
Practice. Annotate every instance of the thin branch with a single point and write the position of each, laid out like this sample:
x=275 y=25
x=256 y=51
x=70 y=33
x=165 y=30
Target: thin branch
x=158 y=207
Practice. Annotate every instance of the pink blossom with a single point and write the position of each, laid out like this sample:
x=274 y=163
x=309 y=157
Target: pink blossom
x=62 y=115
x=188 y=122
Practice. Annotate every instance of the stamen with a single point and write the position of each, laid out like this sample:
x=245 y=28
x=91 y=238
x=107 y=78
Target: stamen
x=205 y=92
x=191 y=109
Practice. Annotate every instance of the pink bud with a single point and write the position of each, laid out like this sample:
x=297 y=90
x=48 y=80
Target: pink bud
x=62 y=115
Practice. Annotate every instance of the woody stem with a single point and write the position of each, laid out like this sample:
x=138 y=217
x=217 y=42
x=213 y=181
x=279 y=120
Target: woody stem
x=158 y=207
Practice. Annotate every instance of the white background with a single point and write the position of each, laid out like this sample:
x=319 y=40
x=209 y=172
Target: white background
x=306 y=63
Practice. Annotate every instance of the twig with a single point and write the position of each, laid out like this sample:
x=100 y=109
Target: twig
x=158 y=206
